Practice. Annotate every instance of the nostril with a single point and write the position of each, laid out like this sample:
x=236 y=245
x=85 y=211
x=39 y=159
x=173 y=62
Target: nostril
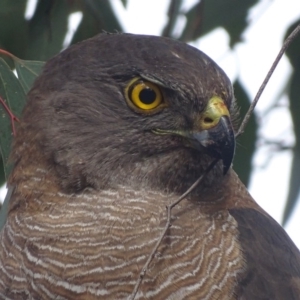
x=208 y=120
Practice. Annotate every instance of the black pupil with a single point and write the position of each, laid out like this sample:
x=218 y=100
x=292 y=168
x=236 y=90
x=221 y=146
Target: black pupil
x=147 y=96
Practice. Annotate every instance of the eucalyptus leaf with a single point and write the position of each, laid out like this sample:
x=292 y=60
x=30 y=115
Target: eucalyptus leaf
x=245 y=147
x=27 y=72
x=208 y=15
x=12 y=93
x=293 y=54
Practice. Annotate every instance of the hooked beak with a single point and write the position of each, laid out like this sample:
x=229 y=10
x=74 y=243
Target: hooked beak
x=213 y=132
x=217 y=135
x=219 y=141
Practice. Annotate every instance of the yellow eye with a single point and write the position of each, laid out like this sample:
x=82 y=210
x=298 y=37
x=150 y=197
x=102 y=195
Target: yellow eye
x=144 y=95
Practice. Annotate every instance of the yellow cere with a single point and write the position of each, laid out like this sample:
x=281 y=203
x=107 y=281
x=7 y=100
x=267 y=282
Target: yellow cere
x=215 y=109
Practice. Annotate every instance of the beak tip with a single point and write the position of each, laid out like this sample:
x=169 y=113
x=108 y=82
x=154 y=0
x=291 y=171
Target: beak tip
x=219 y=141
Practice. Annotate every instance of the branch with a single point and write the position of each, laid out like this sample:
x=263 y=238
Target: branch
x=286 y=44
x=168 y=224
x=6 y=53
x=11 y=115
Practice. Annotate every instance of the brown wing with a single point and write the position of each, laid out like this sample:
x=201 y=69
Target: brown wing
x=273 y=260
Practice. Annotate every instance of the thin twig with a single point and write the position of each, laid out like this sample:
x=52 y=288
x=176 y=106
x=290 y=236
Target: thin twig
x=286 y=44
x=168 y=224
x=6 y=53
x=11 y=115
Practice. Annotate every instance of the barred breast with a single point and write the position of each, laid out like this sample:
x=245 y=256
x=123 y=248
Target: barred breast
x=94 y=245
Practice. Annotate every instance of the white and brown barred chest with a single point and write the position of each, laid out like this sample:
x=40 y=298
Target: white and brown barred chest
x=93 y=246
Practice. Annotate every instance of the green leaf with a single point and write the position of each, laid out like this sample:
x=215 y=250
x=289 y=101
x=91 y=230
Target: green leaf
x=27 y=72
x=13 y=94
x=208 y=15
x=97 y=16
x=2 y=175
x=173 y=13
x=294 y=188
x=124 y=2
x=246 y=142
x=4 y=208
x=47 y=29
x=13 y=26
x=293 y=53
x=193 y=27
x=12 y=91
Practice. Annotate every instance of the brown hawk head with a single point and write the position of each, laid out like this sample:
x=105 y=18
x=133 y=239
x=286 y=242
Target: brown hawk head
x=109 y=111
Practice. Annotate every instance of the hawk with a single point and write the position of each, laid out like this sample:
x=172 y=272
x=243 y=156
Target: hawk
x=116 y=128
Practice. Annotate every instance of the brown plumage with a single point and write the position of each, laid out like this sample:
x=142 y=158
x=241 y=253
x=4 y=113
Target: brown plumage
x=94 y=169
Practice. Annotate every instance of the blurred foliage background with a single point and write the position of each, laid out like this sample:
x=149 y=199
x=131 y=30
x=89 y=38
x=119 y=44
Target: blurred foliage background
x=43 y=35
